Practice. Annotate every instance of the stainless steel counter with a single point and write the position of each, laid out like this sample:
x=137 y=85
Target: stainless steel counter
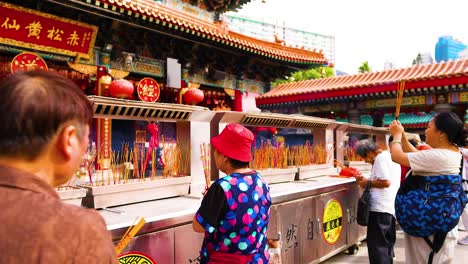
x=290 y=191
x=172 y=212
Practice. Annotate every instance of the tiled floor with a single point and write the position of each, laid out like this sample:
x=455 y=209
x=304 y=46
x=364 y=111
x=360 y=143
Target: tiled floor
x=360 y=257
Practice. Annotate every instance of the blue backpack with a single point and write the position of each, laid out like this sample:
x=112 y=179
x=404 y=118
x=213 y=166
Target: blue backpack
x=430 y=205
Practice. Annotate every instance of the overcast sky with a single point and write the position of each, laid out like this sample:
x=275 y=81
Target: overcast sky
x=372 y=30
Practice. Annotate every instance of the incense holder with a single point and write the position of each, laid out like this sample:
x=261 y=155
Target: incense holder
x=316 y=170
x=135 y=191
x=72 y=195
x=272 y=176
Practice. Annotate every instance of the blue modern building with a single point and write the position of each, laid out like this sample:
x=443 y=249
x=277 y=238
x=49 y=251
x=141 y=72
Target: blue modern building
x=448 y=48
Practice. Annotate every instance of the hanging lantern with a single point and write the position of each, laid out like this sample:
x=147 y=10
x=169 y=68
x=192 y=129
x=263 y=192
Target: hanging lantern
x=121 y=89
x=193 y=96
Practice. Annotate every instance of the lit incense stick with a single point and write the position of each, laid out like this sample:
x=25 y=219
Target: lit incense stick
x=129 y=234
x=399 y=99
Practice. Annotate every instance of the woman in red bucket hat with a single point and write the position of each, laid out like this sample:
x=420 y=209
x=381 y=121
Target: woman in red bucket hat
x=234 y=212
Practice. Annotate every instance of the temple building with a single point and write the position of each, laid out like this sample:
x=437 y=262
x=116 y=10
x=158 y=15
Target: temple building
x=369 y=98
x=176 y=42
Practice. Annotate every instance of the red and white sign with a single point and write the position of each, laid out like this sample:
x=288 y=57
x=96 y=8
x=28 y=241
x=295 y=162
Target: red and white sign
x=136 y=257
x=28 y=61
x=148 y=90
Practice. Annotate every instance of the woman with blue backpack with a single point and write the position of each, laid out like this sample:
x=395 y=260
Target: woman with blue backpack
x=431 y=199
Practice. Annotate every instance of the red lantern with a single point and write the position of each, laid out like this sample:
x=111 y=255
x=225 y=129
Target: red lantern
x=121 y=89
x=193 y=96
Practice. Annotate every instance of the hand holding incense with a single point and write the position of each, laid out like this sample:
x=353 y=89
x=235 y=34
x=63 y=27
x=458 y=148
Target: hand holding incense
x=399 y=99
x=348 y=171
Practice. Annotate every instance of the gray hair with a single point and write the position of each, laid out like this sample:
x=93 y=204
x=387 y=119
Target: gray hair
x=365 y=147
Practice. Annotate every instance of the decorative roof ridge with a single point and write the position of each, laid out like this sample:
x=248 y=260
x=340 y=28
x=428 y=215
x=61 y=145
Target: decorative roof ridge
x=415 y=68
x=156 y=6
x=275 y=45
x=372 y=82
x=215 y=32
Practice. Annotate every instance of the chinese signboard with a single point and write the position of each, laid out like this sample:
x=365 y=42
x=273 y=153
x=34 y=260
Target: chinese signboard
x=252 y=86
x=154 y=69
x=148 y=90
x=31 y=29
x=412 y=100
x=228 y=82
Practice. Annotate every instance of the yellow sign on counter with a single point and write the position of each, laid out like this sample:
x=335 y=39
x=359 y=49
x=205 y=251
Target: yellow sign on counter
x=332 y=221
x=135 y=258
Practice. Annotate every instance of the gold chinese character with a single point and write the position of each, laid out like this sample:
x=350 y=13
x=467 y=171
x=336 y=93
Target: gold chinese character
x=13 y=25
x=55 y=34
x=148 y=90
x=34 y=29
x=86 y=37
x=28 y=64
x=73 y=39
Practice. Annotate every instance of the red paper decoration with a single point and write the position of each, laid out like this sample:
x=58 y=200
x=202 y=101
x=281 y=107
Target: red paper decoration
x=148 y=90
x=28 y=61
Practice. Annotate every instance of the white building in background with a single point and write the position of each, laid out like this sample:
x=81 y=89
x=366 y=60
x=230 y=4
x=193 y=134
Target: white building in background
x=291 y=37
x=427 y=58
x=389 y=65
x=463 y=55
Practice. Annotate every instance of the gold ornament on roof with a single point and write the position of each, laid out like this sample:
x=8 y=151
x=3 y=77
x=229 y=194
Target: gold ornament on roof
x=118 y=74
x=193 y=85
x=92 y=69
x=83 y=68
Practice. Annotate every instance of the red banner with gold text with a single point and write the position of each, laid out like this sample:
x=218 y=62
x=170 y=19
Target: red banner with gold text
x=40 y=31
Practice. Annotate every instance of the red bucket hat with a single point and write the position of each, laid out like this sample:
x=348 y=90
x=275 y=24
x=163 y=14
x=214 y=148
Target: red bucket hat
x=235 y=142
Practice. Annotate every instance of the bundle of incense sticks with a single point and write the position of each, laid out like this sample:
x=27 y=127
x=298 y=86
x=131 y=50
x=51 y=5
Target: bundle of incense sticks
x=125 y=161
x=399 y=98
x=268 y=156
x=172 y=160
x=308 y=155
x=320 y=154
x=184 y=158
x=350 y=153
x=175 y=156
x=153 y=164
x=136 y=171
x=205 y=155
x=138 y=223
x=115 y=168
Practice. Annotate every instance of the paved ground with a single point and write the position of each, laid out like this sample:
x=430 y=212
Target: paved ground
x=360 y=257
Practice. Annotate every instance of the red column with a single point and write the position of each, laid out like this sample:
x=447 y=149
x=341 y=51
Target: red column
x=237 y=103
x=103 y=125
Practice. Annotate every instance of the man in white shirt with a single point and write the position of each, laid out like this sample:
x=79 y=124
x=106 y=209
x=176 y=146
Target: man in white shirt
x=385 y=181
